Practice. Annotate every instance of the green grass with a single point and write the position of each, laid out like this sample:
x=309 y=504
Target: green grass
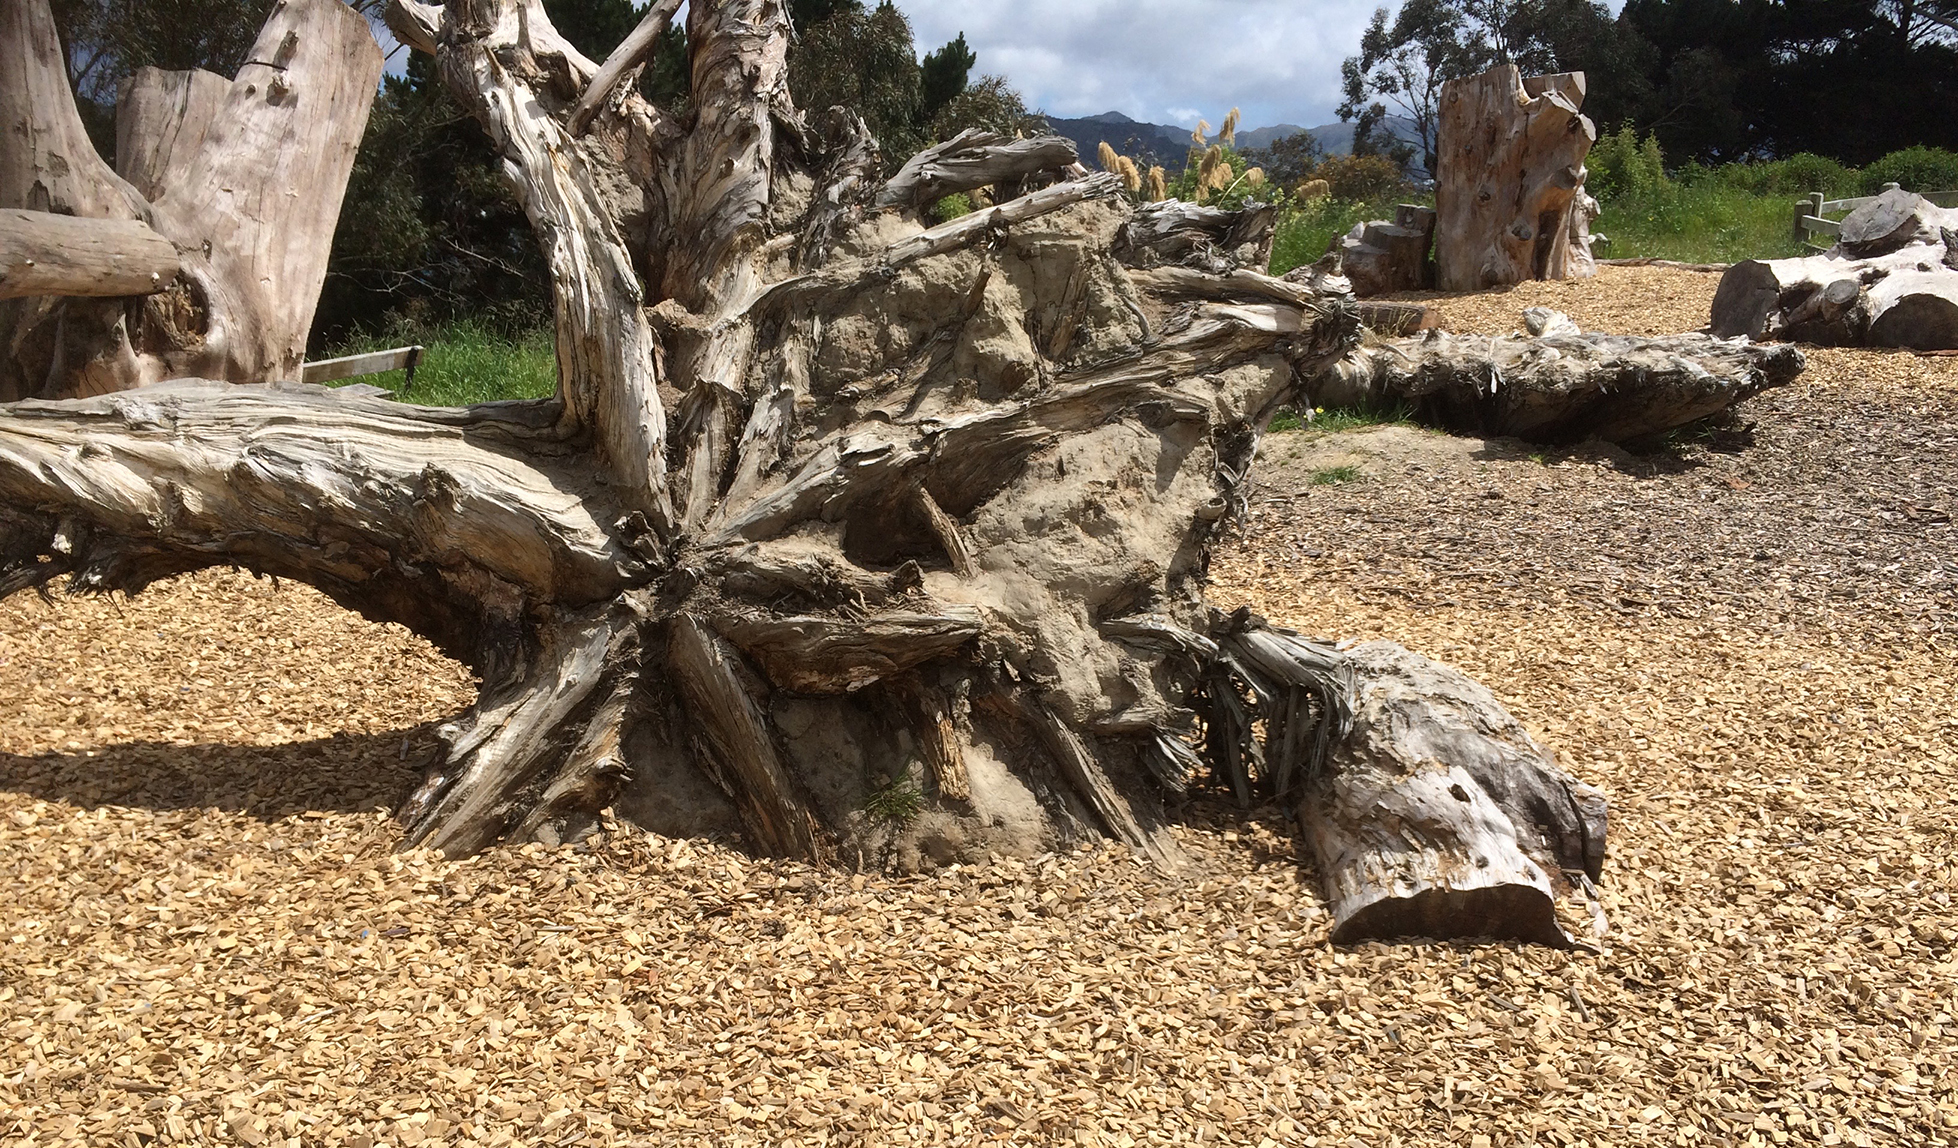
x=464 y=363
x=1699 y=223
x=1339 y=419
x=1333 y=475
x=1354 y=418
x=898 y=803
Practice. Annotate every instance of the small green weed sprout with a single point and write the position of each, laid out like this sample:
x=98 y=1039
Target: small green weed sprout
x=898 y=803
x=1333 y=475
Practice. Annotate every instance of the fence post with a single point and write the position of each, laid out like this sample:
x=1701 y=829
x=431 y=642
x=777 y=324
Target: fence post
x=1812 y=205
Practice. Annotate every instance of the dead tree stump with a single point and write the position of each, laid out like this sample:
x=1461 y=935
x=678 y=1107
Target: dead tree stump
x=240 y=181
x=1380 y=257
x=1509 y=166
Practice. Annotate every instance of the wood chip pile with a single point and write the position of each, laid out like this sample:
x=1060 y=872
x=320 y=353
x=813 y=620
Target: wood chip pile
x=1745 y=641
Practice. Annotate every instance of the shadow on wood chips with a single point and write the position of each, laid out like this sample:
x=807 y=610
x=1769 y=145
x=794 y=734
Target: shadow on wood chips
x=345 y=773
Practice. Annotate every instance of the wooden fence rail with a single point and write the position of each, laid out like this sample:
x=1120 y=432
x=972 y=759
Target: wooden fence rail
x=371 y=363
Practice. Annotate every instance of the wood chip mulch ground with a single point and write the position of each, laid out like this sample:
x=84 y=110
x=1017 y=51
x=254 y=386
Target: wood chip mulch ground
x=1745 y=639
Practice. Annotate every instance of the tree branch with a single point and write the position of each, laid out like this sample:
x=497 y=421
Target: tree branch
x=431 y=519
x=973 y=158
x=45 y=254
x=631 y=52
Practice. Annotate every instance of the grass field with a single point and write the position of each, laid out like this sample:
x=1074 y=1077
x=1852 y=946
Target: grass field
x=1704 y=223
x=465 y=363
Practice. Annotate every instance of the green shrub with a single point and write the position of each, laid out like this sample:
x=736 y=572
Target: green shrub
x=1622 y=166
x=1918 y=169
x=1361 y=178
x=1307 y=230
x=951 y=207
x=1799 y=175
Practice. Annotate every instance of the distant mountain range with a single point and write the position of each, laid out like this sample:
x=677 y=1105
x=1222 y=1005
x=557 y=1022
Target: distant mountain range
x=1167 y=144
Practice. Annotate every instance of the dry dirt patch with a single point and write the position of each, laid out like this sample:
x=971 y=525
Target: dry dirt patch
x=207 y=938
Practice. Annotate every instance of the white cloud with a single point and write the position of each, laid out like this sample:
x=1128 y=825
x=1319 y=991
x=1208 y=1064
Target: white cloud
x=1159 y=60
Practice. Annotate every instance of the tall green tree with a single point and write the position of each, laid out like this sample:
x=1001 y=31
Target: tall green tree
x=942 y=77
x=1404 y=60
x=863 y=59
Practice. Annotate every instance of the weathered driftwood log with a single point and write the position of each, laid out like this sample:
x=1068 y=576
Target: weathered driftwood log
x=1438 y=815
x=912 y=572
x=46 y=254
x=1890 y=281
x=1558 y=385
x=1509 y=167
x=245 y=177
x=1381 y=257
x=1393 y=319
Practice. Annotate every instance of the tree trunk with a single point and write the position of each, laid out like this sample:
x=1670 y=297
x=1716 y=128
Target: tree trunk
x=1559 y=384
x=914 y=571
x=1891 y=281
x=244 y=177
x=1510 y=167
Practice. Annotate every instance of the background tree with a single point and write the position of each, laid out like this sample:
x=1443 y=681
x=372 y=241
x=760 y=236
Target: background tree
x=1404 y=63
x=942 y=77
x=1287 y=159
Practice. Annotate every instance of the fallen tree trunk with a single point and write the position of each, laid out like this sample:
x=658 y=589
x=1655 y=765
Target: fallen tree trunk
x=1561 y=385
x=1509 y=171
x=1891 y=281
x=244 y=177
x=912 y=572
x=46 y=254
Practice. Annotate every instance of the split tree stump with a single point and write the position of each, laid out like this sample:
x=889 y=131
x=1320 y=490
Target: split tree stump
x=240 y=181
x=1509 y=166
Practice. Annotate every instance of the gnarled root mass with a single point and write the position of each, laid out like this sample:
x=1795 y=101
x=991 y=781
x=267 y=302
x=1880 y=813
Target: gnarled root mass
x=912 y=571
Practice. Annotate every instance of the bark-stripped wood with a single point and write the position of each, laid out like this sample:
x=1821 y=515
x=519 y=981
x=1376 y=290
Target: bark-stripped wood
x=972 y=159
x=915 y=568
x=245 y=178
x=161 y=121
x=739 y=743
x=1436 y=815
x=627 y=57
x=46 y=254
x=1509 y=165
x=1561 y=386
x=1380 y=257
x=1890 y=281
